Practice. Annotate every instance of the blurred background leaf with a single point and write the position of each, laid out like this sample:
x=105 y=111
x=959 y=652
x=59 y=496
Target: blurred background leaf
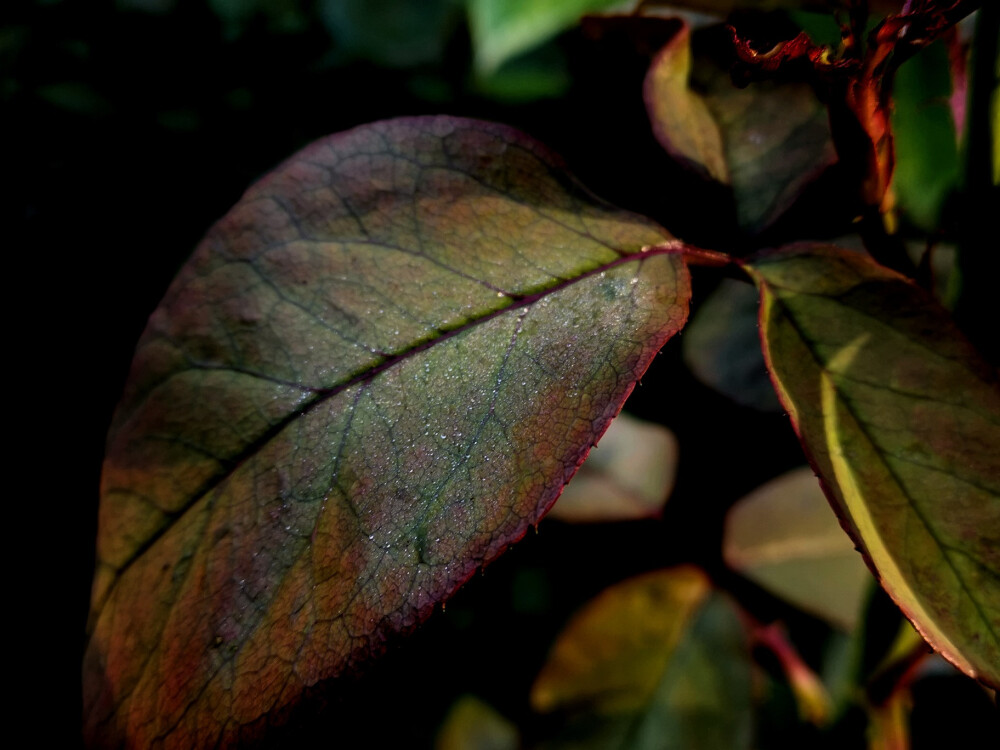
x=627 y=476
x=785 y=536
x=927 y=154
x=721 y=346
x=473 y=724
x=657 y=661
x=503 y=29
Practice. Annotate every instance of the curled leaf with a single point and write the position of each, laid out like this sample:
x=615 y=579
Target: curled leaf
x=374 y=374
x=768 y=140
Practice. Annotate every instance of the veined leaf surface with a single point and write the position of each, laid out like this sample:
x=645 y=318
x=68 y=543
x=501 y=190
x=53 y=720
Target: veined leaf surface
x=901 y=418
x=375 y=373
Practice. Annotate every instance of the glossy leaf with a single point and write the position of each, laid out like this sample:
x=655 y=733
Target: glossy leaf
x=901 y=419
x=721 y=346
x=784 y=537
x=768 y=140
x=374 y=374
x=658 y=661
x=627 y=476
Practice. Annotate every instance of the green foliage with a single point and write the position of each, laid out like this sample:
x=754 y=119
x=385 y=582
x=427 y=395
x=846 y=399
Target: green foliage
x=385 y=363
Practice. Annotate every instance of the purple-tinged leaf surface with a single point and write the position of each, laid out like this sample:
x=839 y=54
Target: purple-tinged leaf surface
x=374 y=374
x=901 y=418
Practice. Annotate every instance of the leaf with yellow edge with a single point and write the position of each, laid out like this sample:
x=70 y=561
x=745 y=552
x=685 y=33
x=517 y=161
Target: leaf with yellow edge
x=374 y=374
x=901 y=419
x=655 y=661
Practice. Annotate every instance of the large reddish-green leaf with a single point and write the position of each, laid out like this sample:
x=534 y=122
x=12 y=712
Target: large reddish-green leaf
x=375 y=373
x=767 y=141
x=901 y=418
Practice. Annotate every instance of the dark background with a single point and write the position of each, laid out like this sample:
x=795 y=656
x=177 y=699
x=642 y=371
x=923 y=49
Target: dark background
x=129 y=127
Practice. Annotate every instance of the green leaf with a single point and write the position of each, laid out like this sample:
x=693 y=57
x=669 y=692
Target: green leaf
x=627 y=476
x=784 y=537
x=658 y=661
x=901 y=418
x=767 y=140
x=374 y=374
x=927 y=161
x=504 y=29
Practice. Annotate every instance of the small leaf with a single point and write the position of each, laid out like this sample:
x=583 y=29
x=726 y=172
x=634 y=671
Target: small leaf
x=768 y=140
x=504 y=29
x=681 y=118
x=374 y=374
x=656 y=661
x=721 y=346
x=472 y=724
x=901 y=418
x=784 y=537
x=627 y=476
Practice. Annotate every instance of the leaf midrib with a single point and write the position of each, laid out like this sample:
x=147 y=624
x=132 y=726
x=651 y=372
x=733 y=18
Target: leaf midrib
x=862 y=426
x=321 y=395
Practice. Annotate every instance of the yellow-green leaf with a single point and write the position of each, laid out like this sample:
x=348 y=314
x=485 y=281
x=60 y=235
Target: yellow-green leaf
x=655 y=661
x=374 y=374
x=472 y=724
x=503 y=29
x=901 y=418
